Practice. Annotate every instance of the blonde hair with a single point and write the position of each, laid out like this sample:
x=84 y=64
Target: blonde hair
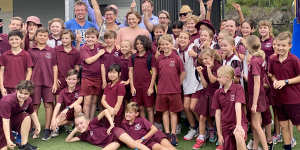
x=284 y=36
x=193 y=18
x=254 y=46
x=132 y=106
x=17 y=18
x=210 y=33
x=128 y=42
x=229 y=40
x=212 y=53
x=225 y=33
x=226 y=70
x=268 y=24
x=184 y=32
x=166 y=37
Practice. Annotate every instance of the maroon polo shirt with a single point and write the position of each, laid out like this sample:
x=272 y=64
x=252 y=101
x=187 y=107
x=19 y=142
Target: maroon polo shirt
x=169 y=70
x=211 y=87
x=226 y=102
x=67 y=98
x=141 y=74
x=194 y=37
x=138 y=129
x=90 y=70
x=110 y=58
x=96 y=134
x=154 y=47
x=4 y=45
x=124 y=69
x=289 y=68
x=43 y=62
x=112 y=93
x=9 y=106
x=66 y=61
x=15 y=67
x=257 y=67
x=267 y=47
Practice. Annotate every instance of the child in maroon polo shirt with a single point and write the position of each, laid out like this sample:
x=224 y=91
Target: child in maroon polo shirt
x=90 y=54
x=141 y=130
x=16 y=113
x=126 y=50
x=257 y=101
x=142 y=76
x=69 y=101
x=114 y=93
x=16 y=64
x=285 y=69
x=266 y=37
x=68 y=57
x=102 y=135
x=111 y=55
x=44 y=76
x=208 y=76
x=170 y=77
x=231 y=121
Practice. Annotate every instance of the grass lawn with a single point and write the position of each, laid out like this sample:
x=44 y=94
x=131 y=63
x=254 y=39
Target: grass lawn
x=58 y=143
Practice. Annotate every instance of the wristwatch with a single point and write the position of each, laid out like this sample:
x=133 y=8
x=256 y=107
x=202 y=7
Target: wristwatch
x=143 y=139
x=286 y=82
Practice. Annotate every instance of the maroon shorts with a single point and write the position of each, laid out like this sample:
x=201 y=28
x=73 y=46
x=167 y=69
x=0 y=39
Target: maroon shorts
x=266 y=117
x=116 y=132
x=196 y=95
x=229 y=139
x=156 y=138
x=42 y=92
x=203 y=106
x=15 y=125
x=289 y=112
x=261 y=103
x=169 y=102
x=90 y=86
x=142 y=97
x=70 y=116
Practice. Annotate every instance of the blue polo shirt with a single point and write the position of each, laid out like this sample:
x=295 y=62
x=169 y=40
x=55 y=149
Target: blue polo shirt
x=76 y=28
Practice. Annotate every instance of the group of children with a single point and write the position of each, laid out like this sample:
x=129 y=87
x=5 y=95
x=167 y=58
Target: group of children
x=225 y=83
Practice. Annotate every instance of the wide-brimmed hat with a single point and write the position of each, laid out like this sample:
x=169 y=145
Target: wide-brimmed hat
x=207 y=23
x=34 y=19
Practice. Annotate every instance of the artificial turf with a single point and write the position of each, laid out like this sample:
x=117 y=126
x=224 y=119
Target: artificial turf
x=58 y=143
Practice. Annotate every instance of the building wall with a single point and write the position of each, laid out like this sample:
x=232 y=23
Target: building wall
x=6 y=12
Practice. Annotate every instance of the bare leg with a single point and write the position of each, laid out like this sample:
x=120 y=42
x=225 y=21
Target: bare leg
x=202 y=120
x=192 y=107
x=142 y=111
x=240 y=142
x=125 y=138
x=276 y=123
x=4 y=148
x=174 y=122
x=25 y=128
x=285 y=132
x=87 y=105
x=188 y=112
x=268 y=130
x=48 y=114
x=166 y=121
x=93 y=106
x=291 y=127
x=112 y=146
x=256 y=126
x=166 y=143
x=150 y=114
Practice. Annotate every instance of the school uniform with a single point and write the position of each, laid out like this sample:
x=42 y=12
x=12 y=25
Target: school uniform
x=110 y=58
x=140 y=128
x=112 y=92
x=267 y=47
x=194 y=37
x=142 y=79
x=257 y=67
x=52 y=42
x=168 y=87
x=67 y=98
x=10 y=109
x=225 y=101
x=42 y=74
x=190 y=83
x=235 y=62
x=15 y=68
x=288 y=98
x=65 y=62
x=203 y=106
x=96 y=134
x=91 y=81
x=124 y=76
x=4 y=45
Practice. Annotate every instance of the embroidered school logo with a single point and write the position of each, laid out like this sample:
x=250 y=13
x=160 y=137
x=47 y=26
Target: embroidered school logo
x=91 y=133
x=268 y=45
x=137 y=127
x=232 y=97
x=116 y=53
x=172 y=63
x=48 y=55
x=76 y=95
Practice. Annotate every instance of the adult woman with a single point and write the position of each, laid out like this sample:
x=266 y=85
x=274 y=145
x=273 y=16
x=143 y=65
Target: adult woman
x=133 y=30
x=163 y=19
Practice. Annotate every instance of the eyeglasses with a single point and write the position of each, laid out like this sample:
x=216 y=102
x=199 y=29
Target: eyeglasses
x=183 y=14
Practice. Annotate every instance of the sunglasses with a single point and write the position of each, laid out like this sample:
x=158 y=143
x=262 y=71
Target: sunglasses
x=183 y=14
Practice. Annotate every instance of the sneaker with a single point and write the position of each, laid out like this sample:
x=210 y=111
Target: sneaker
x=173 y=140
x=159 y=126
x=277 y=139
x=250 y=145
x=27 y=147
x=199 y=143
x=219 y=147
x=212 y=136
x=47 y=135
x=55 y=133
x=293 y=143
x=270 y=146
x=178 y=129
x=190 y=135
